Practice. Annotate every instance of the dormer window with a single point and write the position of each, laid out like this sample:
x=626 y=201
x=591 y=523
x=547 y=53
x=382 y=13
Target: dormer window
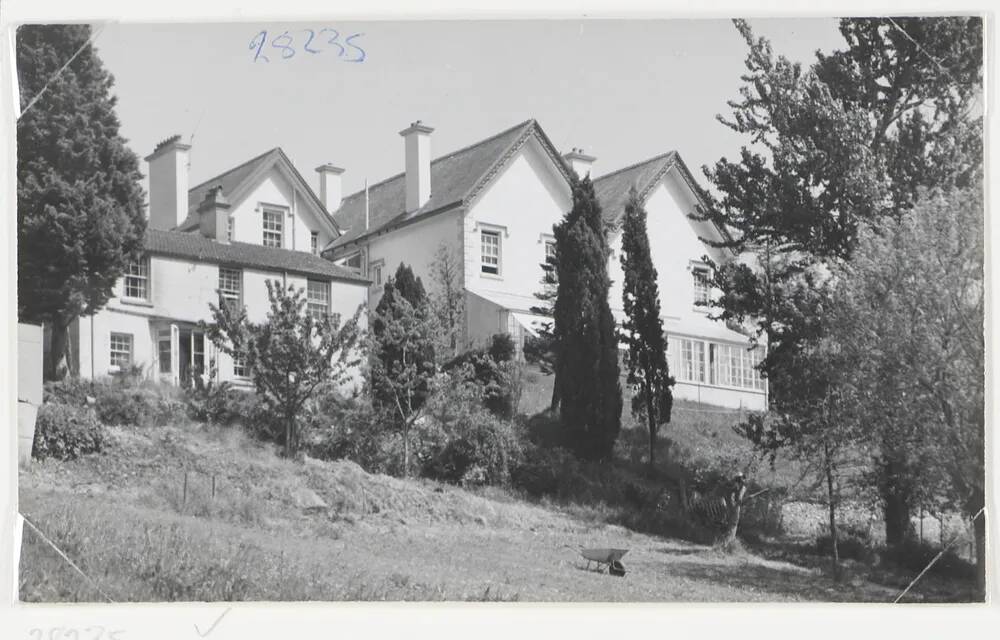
x=314 y=242
x=229 y=228
x=274 y=227
x=354 y=263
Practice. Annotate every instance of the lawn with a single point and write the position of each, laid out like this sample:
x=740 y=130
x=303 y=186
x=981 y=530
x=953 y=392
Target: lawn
x=125 y=518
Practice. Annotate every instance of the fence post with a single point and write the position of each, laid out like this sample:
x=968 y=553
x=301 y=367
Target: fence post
x=921 y=524
x=184 y=497
x=213 y=487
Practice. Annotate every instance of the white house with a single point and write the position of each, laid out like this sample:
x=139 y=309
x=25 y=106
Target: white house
x=493 y=204
x=256 y=222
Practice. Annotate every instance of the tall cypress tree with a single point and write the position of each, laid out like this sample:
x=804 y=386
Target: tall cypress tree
x=642 y=329
x=79 y=195
x=586 y=368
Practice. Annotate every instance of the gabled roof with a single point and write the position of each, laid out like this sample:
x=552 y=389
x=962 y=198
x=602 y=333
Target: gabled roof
x=612 y=189
x=456 y=179
x=242 y=176
x=196 y=247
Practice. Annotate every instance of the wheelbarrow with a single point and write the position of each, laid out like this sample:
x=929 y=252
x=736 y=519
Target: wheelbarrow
x=609 y=559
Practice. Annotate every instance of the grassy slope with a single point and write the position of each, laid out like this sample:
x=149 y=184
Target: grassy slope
x=120 y=515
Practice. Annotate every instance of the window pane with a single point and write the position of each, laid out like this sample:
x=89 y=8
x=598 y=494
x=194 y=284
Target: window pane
x=164 y=354
x=273 y=226
x=314 y=241
x=137 y=280
x=121 y=349
x=231 y=284
x=239 y=366
x=318 y=298
x=490 y=252
x=702 y=288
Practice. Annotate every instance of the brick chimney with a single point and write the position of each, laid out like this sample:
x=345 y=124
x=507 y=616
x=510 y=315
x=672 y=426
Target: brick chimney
x=168 y=183
x=213 y=215
x=417 y=139
x=580 y=162
x=331 y=189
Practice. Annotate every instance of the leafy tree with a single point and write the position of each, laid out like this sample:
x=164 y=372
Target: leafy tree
x=448 y=301
x=844 y=143
x=402 y=354
x=586 y=363
x=80 y=202
x=288 y=355
x=642 y=329
x=908 y=313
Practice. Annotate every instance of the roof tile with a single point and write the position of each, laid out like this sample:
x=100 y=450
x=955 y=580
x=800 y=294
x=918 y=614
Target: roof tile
x=453 y=177
x=194 y=246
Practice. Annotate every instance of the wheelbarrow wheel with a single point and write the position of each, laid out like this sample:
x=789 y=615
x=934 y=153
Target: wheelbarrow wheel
x=616 y=568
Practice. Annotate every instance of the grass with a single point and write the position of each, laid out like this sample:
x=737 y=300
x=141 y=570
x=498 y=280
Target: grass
x=123 y=517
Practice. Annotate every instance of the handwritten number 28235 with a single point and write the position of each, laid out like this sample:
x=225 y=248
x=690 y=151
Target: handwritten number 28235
x=283 y=45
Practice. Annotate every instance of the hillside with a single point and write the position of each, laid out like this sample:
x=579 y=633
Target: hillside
x=122 y=516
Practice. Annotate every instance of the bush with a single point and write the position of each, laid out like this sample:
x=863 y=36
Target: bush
x=123 y=400
x=142 y=406
x=853 y=543
x=496 y=371
x=913 y=556
x=347 y=428
x=461 y=441
x=66 y=432
x=546 y=471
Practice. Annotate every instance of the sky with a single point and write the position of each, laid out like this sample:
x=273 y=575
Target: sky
x=624 y=91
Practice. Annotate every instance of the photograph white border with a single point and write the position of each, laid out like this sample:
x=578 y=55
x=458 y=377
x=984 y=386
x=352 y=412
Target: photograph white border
x=368 y=620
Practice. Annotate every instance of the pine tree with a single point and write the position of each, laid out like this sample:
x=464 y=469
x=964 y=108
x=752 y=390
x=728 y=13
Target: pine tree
x=833 y=148
x=80 y=203
x=642 y=329
x=586 y=368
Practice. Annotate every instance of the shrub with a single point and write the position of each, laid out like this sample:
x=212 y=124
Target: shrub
x=134 y=406
x=913 y=556
x=548 y=471
x=74 y=391
x=496 y=371
x=65 y=432
x=853 y=543
x=348 y=428
x=123 y=400
x=461 y=441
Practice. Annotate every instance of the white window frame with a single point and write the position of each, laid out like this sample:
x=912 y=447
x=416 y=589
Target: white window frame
x=316 y=308
x=357 y=270
x=376 y=271
x=125 y=346
x=231 y=295
x=314 y=242
x=690 y=368
x=484 y=264
x=240 y=366
x=701 y=285
x=163 y=338
x=137 y=278
x=272 y=210
x=230 y=228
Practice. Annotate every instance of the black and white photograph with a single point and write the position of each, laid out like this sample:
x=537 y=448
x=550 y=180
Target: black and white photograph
x=510 y=311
